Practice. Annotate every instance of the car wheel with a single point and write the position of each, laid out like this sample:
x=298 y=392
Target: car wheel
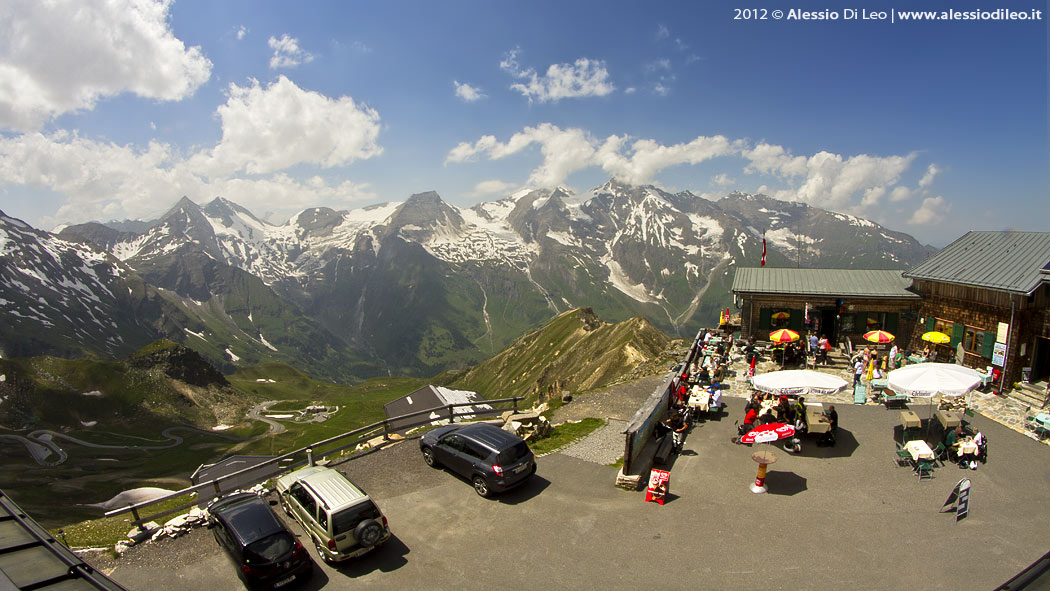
x=368 y=533
x=429 y=459
x=284 y=506
x=481 y=487
x=321 y=551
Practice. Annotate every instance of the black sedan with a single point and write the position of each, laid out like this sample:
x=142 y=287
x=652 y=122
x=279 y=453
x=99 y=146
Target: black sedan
x=491 y=458
x=267 y=555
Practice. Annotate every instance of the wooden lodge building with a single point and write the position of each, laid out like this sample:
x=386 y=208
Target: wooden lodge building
x=842 y=304
x=988 y=291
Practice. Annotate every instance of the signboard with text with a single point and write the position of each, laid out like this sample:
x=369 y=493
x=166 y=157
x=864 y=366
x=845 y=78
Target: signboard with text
x=999 y=354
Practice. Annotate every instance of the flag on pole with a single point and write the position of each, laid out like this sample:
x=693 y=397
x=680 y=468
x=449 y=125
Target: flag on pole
x=763 y=249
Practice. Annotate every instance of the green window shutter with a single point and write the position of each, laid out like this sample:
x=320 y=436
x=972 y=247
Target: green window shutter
x=931 y=323
x=795 y=322
x=765 y=318
x=958 y=331
x=891 y=323
x=988 y=345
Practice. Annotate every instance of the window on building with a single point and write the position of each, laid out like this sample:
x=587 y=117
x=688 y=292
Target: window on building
x=781 y=318
x=973 y=340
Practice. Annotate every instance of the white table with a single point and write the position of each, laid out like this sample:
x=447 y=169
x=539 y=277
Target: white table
x=700 y=399
x=967 y=446
x=919 y=450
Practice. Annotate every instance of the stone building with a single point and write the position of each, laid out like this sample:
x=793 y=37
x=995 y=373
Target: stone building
x=840 y=303
x=990 y=292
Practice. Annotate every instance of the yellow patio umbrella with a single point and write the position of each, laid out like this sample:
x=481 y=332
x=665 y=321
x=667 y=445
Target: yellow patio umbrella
x=878 y=336
x=783 y=336
x=780 y=315
x=937 y=338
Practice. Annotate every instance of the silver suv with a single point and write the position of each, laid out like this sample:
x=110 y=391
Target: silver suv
x=339 y=517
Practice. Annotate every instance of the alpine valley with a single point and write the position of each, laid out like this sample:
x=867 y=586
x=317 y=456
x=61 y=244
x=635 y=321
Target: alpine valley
x=410 y=288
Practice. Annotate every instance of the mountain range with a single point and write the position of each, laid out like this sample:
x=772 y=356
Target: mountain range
x=409 y=288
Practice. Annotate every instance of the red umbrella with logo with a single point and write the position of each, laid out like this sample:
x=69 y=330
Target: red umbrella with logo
x=767 y=433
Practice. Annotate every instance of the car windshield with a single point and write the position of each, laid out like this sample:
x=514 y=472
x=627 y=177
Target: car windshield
x=270 y=548
x=346 y=520
x=514 y=454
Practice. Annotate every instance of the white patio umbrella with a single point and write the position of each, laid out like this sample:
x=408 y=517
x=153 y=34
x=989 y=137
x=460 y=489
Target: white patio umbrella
x=926 y=380
x=798 y=381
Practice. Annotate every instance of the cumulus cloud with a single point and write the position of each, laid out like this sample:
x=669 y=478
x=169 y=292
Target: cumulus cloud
x=241 y=32
x=271 y=128
x=104 y=180
x=565 y=151
x=287 y=53
x=932 y=211
x=722 y=180
x=66 y=55
x=927 y=179
x=662 y=32
x=585 y=77
x=491 y=187
x=467 y=92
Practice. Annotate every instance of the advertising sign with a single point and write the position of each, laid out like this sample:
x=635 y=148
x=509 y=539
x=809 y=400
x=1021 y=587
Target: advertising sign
x=999 y=354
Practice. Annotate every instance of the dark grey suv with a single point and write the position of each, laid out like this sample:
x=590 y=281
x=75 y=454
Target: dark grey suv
x=491 y=458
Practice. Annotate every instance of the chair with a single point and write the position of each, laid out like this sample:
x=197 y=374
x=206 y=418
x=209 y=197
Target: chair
x=903 y=457
x=860 y=394
x=924 y=468
x=940 y=453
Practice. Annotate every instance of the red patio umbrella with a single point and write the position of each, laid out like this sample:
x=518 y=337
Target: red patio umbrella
x=768 y=433
x=783 y=335
x=878 y=336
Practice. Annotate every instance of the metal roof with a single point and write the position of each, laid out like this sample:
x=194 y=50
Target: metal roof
x=1004 y=261
x=868 y=283
x=31 y=558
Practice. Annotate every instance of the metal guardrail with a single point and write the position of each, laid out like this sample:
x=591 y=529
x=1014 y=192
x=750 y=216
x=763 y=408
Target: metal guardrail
x=289 y=460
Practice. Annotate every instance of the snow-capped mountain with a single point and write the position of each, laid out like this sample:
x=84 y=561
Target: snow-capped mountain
x=422 y=285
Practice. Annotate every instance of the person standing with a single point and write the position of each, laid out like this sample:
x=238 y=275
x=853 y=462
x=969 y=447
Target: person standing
x=892 y=361
x=858 y=369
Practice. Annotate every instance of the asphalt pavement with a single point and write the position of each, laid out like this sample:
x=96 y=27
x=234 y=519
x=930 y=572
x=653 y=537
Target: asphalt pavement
x=835 y=518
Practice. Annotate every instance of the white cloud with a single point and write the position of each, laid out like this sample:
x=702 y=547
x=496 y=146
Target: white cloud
x=932 y=211
x=467 y=92
x=927 y=179
x=266 y=129
x=722 y=180
x=241 y=32
x=287 y=53
x=66 y=55
x=491 y=187
x=567 y=150
x=585 y=77
x=630 y=90
x=660 y=89
x=899 y=194
x=662 y=32
x=107 y=181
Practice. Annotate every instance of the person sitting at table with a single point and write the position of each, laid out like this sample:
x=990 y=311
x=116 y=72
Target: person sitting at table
x=716 y=398
x=719 y=374
x=783 y=410
x=800 y=415
x=703 y=376
x=952 y=439
x=832 y=416
x=982 y=447
x=749 y=421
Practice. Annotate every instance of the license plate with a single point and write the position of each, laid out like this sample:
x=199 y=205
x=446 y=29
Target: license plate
x=521 y=468
x=283 y=582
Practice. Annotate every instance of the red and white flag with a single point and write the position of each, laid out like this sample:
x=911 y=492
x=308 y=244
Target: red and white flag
x=763 y=249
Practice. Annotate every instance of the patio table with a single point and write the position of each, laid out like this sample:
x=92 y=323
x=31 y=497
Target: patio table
x=948 y=420
x=910 y=420
x=815 y=419
x=919 y=450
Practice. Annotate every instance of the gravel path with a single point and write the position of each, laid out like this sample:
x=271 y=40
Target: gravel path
x=604 y=446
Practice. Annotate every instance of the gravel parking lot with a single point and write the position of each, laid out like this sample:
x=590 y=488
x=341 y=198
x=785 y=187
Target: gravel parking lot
x=834 y=518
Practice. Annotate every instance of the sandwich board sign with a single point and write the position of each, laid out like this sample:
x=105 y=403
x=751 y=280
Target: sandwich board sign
x=959 y=500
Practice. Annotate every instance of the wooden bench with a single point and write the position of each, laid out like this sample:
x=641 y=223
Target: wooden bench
x=664 y=450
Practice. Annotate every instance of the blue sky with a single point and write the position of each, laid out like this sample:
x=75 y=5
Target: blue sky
x=116 y=110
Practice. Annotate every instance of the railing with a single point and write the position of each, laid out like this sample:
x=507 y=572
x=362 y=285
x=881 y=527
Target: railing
x=292 y=459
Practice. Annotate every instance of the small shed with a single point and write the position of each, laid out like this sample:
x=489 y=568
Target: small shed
x=432 y=397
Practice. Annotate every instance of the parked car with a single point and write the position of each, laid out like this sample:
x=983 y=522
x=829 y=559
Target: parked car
x=340 y=518
x=492 y=459
x=267 y=555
